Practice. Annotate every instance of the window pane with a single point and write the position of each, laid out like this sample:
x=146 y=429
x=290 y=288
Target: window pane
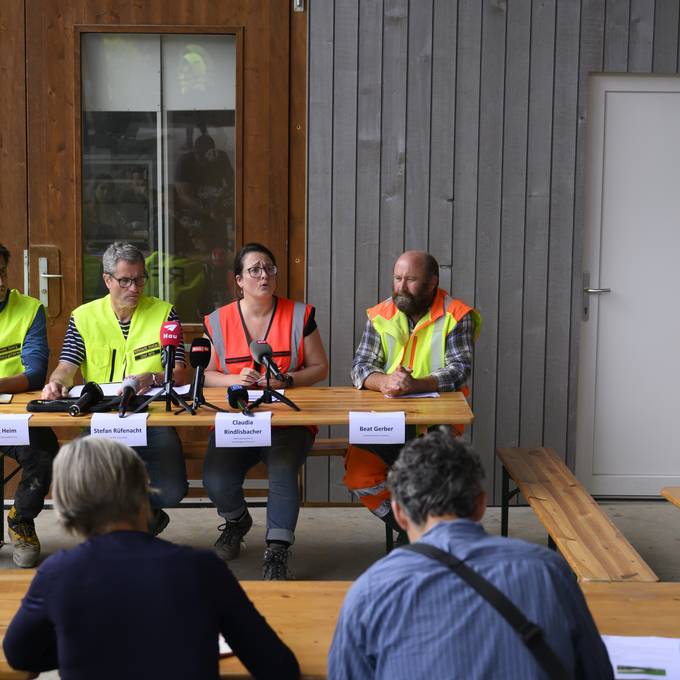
x=158 y=162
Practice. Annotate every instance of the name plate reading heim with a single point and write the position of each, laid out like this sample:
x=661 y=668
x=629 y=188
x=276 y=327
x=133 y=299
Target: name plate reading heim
x=374 y=427
x=130 y=430
x=14 y=429
x=235 y=429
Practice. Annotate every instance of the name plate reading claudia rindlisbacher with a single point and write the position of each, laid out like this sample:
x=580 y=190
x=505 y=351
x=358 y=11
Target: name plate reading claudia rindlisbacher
x=374 y=427
x=14 y=429
x=130 y=430
x=235 y=429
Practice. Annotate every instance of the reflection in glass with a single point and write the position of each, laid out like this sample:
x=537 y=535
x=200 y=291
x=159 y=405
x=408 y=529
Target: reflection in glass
x=158 y=162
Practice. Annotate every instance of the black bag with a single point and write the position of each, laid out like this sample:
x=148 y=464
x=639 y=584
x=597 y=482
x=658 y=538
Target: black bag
x=62 y=405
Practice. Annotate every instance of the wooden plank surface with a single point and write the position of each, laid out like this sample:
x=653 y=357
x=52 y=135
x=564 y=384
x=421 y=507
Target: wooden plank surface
x=319 y=406
x=617 y=608
x=590 y=542
x=672 y=493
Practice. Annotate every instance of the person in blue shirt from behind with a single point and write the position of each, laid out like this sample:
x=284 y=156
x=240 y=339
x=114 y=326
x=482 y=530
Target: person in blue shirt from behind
x=23 y=365
x=124 y=604
x=410 y=616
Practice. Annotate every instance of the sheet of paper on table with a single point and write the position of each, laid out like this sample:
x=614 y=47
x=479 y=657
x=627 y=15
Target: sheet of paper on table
x=643 y=658
x=225 y=649
x=256 y=394
x=111 y=389
x=5 y=398
x=416 y=395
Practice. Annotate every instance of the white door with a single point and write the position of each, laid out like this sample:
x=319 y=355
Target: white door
x=628 y=415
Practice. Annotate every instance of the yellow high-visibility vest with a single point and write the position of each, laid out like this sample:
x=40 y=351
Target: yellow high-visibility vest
x=109 y=357
x=423 y=349
x=15 y=320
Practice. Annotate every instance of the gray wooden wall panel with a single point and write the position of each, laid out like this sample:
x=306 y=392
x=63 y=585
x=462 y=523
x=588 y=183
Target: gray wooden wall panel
x=460 y=126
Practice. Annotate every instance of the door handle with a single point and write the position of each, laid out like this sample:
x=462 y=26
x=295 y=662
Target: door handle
x=587 y=292
x=43 y=285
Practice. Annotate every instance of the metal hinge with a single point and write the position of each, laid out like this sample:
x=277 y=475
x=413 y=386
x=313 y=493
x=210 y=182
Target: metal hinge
x=298 y=5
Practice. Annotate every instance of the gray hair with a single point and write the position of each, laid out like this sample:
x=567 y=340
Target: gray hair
x=96 y=482
x=120 y=250
x=436 y=475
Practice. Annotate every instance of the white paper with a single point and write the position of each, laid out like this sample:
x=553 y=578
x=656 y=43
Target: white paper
x=225 y=649
x=235 y=429
x=256 y=394
x=5 y=398
x=112 y=389
x=130 y=430
x=644 y=658
x=375 y=427
x=14 y=429
x=416 y=395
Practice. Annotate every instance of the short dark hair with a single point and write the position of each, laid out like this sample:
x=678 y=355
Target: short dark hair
x=250 y=248
x=4 y=253
x=436 y=475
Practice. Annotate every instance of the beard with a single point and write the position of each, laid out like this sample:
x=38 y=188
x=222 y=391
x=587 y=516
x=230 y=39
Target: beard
x=412 y=305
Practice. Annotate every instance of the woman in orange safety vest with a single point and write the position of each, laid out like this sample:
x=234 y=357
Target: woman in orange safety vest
x=289 y=327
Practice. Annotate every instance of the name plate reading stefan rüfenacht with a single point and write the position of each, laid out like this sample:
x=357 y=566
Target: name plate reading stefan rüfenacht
x=374 y=427
x=235 y=429
x=14 y=429
x=130 y=430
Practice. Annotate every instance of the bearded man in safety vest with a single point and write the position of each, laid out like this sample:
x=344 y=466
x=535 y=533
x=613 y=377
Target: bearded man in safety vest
x=419 y=340
x=117 y=337
x=23 y=366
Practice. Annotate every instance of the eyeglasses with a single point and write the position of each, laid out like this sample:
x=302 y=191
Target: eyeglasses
x=256 y=272
x=125 y=282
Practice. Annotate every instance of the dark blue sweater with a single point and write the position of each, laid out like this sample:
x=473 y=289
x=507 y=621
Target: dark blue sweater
x=127 y=605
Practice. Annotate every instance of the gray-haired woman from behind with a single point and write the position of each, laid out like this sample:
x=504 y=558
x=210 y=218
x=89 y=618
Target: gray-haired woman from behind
x=124 y=604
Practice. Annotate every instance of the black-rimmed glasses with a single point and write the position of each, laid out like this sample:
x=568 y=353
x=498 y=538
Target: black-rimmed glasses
x=256 y=272
x=125 y=282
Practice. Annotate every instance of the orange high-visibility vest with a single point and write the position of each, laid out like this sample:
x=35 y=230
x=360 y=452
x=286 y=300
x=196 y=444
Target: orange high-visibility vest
x=285 y=335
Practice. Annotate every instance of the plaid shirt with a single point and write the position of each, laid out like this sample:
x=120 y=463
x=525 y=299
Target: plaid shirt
x=370 y=358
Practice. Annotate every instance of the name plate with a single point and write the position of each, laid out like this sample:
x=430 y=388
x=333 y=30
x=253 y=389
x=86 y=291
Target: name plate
x=374 y=427
x=235 y=429
x=14 y=429
x=130 y=430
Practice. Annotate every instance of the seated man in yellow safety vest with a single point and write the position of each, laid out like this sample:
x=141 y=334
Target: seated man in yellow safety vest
x=419 y=340
x=118 y=336
x=23 y=365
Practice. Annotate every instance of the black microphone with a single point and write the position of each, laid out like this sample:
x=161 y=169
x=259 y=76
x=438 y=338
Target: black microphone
x=261 y=351
x=171 y=332
x=237 y=395
x=130 y=388
x=92 y=394
x=199 y=358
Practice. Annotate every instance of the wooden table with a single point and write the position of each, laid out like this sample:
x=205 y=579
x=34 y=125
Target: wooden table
x=304 y=613
x=319 y=406
x=672 y=494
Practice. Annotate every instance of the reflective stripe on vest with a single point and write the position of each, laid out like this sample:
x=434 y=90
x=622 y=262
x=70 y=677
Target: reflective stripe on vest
x=15 y=320
x=109 y=357
x=424 y=349
x=286 y=337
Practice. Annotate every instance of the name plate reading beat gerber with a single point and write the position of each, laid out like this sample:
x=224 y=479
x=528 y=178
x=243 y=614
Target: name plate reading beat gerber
x=375 y=427
x=235 y=429
x=14 y=429
x=130 y=430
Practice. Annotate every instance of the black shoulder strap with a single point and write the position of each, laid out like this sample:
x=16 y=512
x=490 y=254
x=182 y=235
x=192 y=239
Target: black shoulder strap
x=531 y=634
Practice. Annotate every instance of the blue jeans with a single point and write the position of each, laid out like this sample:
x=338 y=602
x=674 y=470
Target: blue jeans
x=225 y=469
x=164 y=462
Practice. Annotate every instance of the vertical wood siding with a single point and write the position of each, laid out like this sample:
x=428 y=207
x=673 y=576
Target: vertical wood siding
x=458 y=126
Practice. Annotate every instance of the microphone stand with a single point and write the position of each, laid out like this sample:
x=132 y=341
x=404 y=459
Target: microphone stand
x=199 y=400
x=270 y=395
x=168 y=391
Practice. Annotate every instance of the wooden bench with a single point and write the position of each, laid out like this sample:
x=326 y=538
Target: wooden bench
x=576 y=525
x=672 y=494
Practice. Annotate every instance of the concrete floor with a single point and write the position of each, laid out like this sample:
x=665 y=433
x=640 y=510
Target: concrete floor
x=340 y=543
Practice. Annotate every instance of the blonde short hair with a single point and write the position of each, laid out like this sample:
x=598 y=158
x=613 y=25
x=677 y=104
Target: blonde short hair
x=96 y=482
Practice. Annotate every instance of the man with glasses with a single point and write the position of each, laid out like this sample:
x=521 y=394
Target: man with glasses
x=23 y=366
x=118 y=336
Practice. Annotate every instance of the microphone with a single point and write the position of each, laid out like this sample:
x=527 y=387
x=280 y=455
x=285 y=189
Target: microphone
x=171 y=337
x=92 y=394
x=199 y=358
x=237 y=395
x=261 y=351
x=130 y=388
